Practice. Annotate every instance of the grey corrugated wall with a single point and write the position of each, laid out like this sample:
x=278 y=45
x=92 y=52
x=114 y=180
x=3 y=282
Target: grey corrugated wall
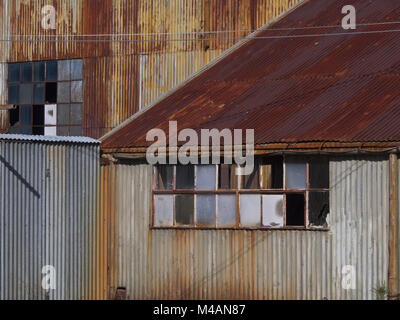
x=215 y=264
x=48 y=216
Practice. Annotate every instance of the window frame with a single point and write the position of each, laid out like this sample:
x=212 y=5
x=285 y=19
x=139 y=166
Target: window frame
x=284 y=191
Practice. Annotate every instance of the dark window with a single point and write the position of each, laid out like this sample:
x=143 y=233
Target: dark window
x=295 y=209
x=318 y=208
x=319 y=172
x=51 y=92
x=185 y=177
x=165 y=177
x=51 y=71
x=27 y=72
x=38 y=71
x=184 y=208
x=14 y=72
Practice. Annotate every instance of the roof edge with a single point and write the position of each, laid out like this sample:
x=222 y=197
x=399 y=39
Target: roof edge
x=53 y=139
x=204 y=68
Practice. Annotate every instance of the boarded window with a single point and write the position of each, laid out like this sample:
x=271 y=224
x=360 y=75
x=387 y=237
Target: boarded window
x=296 y=174
x=206 y=177
x=227 y=178
x=185 y=177
x=205 y=209
x=271 y=173
x=184 y=209
x=163 y=210
x=295 y=209
x=250 y=210
x=272 y=211
x=318 y=204
x=226 y=210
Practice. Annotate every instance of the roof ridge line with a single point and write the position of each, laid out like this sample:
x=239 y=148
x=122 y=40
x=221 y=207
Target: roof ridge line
x=204 y=68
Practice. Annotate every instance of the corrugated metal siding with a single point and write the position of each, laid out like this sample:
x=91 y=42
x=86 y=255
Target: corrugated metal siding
x=234 y=264
x=48 y=216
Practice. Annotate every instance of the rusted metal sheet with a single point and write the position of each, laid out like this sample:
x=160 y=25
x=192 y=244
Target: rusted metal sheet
x=322 y=88
x=256 y=264
x=49 y=216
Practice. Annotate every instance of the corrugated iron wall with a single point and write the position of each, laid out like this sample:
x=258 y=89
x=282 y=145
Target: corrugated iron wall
x=121 y=77
x=215 y=264
x=49 y=216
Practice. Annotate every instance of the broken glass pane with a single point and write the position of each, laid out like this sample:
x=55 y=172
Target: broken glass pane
x=64 y=92
x=226 y=210
x=271 y=173
x=25 y=94
x=27 y=72
x=51 y=92
x=272 y=210
x=76 y=69
x=250 y=210
x=319 y=172
x=227 y=179
x=252 y=181
x=38 y=71
x=206 y=177
x=13 y=94
x=75 y=131
x=76 y=114
x=76 y=91
x=185 y=177
x=205 y=206
x=51 y=70
x=165 y=177
x=184 y=209
x=13 y=72
x=26 y=115
x=295 y=209
x=38 y=93
x=163 y=210
x=64 y=72
x=296 y=174
x=63 y=114
x=318 y=206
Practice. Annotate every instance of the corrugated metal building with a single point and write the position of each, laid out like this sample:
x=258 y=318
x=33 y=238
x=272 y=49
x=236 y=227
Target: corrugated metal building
x=49 y=216
x=326 y=97
x=131 y=51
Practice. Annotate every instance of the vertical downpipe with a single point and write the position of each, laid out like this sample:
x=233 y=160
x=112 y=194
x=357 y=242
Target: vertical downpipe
x=393 y=272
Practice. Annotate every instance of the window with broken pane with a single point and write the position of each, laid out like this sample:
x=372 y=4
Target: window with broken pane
x=281 y=192
x=47 y=97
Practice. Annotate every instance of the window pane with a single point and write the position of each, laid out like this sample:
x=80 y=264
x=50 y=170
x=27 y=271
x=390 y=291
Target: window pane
x=295 y=209
x=184 y=209
x=14 y=116
x=319 y=172
x=318 y=206
x=38 y=93
x=252 y=181
x=26 y=115
x=38 y=131
x=26 y=130
x=64 y=72
x=272 y=210
x=51 y=92
x=295 y=174
x=165 y=177
x=185 y=177
x=250 y=210
x=14 y=130
x=51 y=70
x=13 y=94
x=50 y=117
x=271 y=173
x=38 y=115
x=63 y=92
x=13 y=72
x=25 y=94
x=76 y=69
x=163 y=210
x=76 y=91
x=63 y=114
x=205 y=206
x=62 y=131
x=226 y=210
x=27 y=72
x=75 y=131
x=38 y=71
x=206 y=177
x=76 y=114
x=227 y=179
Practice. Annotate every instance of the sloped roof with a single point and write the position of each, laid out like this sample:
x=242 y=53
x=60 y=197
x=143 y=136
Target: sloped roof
x=341 y=87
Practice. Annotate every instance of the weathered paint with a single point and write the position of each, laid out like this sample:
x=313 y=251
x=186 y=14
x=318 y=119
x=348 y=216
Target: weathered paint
x=49 y=216
x=121 y=77
x=239 y=264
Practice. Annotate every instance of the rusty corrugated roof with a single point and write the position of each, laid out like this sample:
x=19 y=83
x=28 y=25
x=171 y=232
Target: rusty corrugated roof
x=320 y=88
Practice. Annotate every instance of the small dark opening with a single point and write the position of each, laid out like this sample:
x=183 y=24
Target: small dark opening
x=14 y=116
x=38 y=120
x=184 y=209
x=185 y=177
x=318 y=208
x=51 y=92
x=295 y=209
